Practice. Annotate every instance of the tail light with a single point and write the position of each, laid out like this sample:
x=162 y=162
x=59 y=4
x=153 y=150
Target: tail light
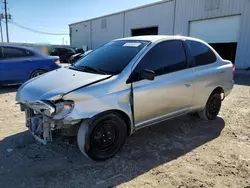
x=57 y=61
x=233 y=69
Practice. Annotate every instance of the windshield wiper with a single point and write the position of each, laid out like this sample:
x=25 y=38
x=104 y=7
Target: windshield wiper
x=92 y=69
x=74 y=67
x=89 y=69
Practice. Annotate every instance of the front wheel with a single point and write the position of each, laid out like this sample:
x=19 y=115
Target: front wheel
x=103 y=137
x=212 y=107
x=37 y=73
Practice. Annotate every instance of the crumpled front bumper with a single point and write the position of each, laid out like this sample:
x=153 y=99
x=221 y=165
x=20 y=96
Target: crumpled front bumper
x=41 y=126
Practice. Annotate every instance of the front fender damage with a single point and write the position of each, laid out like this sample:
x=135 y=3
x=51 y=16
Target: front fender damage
x=88 y=101
x=90 y=107
x=39 y=107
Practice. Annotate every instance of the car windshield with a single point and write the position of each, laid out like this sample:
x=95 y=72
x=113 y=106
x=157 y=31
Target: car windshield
x=111 y=58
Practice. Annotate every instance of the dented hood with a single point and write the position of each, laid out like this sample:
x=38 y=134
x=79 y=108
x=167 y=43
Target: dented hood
x=53 y=85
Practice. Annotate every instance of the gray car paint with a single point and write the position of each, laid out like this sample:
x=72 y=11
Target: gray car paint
x=144 y=102
x=55 y=84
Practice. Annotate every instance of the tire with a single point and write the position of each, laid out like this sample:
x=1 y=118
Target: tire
x=102 y=137
x=212 y=108
x=37 y=73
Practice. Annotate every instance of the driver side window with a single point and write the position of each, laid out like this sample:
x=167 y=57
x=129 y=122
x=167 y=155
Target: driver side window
x=12 y=53
x=164 y=58
x=54 y=51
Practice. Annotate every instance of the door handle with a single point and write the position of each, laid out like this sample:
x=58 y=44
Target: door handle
x=221 y=72
x=188 y=85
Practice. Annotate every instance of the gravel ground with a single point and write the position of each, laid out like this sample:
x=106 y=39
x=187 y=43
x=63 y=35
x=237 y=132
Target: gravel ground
x=185 y=152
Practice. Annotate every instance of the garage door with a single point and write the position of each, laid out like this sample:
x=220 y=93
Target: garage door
x=218 y=30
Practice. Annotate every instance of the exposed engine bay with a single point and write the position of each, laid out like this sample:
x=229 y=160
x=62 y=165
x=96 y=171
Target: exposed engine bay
x=41 y=125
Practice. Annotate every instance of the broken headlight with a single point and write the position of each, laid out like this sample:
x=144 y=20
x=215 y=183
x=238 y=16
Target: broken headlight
x=62 y=109
x=57 y=110
x=42 y=107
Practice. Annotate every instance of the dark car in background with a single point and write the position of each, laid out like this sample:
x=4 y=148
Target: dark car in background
x=74 y=58
x=19 y=64
x=63 y=53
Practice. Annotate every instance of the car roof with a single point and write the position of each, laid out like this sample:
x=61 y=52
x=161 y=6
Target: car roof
x=155 y=38
x=16 y=46
x=32 y=49
x=70 y=48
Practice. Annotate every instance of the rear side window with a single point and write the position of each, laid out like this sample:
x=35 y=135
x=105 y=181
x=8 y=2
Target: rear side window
x=62 y=50
x=65 y=50
x=202 y=54
x=29 y=53
x=55 y=50
x=71 y=51
x=166 y=57
x=1 y=53
x=15 y=53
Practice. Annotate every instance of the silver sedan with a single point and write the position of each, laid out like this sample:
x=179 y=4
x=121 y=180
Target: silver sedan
x=123 y=86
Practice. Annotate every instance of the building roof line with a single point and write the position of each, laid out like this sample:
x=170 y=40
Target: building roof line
x=123 y=11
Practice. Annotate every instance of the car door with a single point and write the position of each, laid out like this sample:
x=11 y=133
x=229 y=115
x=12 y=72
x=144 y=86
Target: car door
x=14 y=65
x=63 y=54
x=208 y=75
x=66 y=54
x=54 y=52
x=1 y=66
x=171 y=92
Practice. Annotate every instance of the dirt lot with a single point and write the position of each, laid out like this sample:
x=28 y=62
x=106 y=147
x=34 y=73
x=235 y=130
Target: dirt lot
x=185 y=152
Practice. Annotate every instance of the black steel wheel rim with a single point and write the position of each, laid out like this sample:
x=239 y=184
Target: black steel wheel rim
x=104 y=137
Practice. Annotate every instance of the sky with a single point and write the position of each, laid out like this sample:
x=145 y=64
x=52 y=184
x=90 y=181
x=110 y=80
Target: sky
x=54 y=16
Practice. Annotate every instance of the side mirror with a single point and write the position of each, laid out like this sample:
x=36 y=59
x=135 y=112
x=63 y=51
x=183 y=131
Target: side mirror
x=147 y=74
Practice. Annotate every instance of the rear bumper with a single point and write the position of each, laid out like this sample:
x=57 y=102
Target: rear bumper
x=228 y=87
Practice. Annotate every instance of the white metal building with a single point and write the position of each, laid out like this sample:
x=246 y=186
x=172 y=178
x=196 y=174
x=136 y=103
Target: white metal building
x=225 y=24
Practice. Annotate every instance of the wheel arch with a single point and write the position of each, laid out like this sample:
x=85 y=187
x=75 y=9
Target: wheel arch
x=219 y=90
x=37 y=70
x=212 y=90
x=123 y=115
x=204 y=114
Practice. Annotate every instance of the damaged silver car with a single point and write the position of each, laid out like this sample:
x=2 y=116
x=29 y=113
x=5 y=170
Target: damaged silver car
x=125 y=85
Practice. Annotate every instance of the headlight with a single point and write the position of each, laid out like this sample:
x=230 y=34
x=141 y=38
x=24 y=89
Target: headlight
x=57 y=110
x=42 y=107
x=63 y=108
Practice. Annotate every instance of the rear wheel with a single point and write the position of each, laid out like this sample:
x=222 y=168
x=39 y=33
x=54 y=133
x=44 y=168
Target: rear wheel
x=212 y=107
x=37 y=73
x=103 y=137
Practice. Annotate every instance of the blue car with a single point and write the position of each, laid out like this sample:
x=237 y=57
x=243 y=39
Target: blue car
x=19 y=64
